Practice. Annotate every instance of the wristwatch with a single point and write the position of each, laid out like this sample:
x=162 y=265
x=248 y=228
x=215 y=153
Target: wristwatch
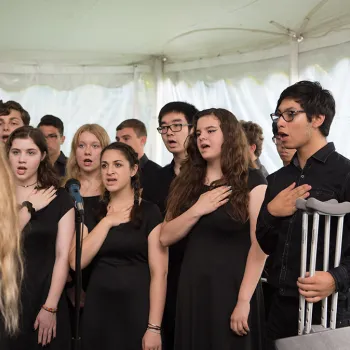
x=29 y=206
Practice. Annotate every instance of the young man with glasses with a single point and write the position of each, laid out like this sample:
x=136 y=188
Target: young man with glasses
x=53 y=129
x=304 y=115
x=175 y=122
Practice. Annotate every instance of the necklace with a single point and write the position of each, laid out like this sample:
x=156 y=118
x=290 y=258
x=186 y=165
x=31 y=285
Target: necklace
x=25 y=186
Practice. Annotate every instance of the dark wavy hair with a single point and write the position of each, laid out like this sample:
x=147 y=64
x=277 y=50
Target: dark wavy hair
x=133 y=160
x=47 y=176
x=235 y=161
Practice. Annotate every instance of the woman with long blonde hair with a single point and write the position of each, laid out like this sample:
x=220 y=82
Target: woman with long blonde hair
x=10 y=254
x=84 y=165
x=46 y=218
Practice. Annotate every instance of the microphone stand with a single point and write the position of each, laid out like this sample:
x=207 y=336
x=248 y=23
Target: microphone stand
x=79 y=225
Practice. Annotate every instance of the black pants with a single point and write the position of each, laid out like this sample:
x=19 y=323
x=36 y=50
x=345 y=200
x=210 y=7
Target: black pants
x=282 y=320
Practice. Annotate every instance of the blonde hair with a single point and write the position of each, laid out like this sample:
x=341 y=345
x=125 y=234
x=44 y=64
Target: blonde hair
x=11 y=266
x=72 y=168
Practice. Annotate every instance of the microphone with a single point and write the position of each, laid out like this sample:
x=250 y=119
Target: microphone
x=73 y=187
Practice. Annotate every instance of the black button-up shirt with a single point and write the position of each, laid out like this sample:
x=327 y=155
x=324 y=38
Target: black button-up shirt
x=148 y=172
x=328 y=173
x=60 y=165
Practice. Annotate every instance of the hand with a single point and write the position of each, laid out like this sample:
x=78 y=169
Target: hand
x=151 y=341
x=42 y=198
x=115 y=218
x=239 y=318
x=212 y=200
x=46 y=321
x=284 y=204
x=317 y=287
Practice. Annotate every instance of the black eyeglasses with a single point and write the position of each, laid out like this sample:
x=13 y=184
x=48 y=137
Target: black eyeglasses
x=288 y=115
x=173 y=127
x=275 y=139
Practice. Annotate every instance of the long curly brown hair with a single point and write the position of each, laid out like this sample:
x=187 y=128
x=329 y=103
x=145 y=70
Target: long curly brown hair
x=235 y=162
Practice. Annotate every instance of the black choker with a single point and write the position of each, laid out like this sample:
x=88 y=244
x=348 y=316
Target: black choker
x=25 y=186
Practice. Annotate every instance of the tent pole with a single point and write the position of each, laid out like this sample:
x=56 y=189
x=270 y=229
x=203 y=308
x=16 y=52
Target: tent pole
x=135 y=92
x=294 y=61
x=158 y=76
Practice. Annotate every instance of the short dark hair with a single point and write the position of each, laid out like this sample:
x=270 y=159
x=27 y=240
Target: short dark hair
x=6 y=107
x=254 y=134
x=137 y=125
x=274 y=128
x=51 y=120
x=314 y=100
x=178 y=107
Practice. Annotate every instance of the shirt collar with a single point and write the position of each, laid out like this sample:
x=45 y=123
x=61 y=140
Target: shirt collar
x=62 y=159
x=321 y=155
x=143 y=160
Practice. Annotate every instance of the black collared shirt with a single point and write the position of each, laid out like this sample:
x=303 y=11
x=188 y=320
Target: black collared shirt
x=328 y=173
x=148 y=172
x=158 y=190
x=60 y=165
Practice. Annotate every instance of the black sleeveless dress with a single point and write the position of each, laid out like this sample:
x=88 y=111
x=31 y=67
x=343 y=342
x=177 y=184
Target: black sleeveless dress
x=117 y=300
x=210 y=279
x=39 y=250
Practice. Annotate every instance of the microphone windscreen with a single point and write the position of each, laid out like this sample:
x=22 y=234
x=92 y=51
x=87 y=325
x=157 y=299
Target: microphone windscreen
x=72 y=182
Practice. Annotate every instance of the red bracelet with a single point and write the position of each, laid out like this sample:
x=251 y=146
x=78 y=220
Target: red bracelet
x=49 y=309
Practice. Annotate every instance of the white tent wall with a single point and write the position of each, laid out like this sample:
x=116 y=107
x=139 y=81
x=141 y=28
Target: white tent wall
x=108 y=95
x=251 y=90
x=117 y=97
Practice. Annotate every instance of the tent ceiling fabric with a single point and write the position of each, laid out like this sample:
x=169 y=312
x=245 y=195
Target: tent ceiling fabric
x=117 y=32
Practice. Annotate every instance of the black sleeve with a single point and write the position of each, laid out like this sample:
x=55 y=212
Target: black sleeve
x=255 y=178
x=341 y=274
x=152 y=216
x=64 y=202
x=267 y=225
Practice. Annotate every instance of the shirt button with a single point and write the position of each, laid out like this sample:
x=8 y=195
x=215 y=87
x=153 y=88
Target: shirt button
x=281 y=290
x=302 y=176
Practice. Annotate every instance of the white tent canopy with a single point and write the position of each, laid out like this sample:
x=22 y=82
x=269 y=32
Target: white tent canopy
x=106 y=60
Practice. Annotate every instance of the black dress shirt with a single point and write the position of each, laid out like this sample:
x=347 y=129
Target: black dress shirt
x=148 y=172
x=157 y=189
x=328 y=173
x=60 y=165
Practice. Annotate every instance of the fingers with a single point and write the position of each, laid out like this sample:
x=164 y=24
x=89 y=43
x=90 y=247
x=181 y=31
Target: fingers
x=301 y=191
x=310 y=293
x=313 y=300
x=40 y=334
x=238 y=328
x=289 y=188
x=223 y=196
x=49 y=336
x=36 y=324
x=45 y=336
x=54 y=332
x=245 y=326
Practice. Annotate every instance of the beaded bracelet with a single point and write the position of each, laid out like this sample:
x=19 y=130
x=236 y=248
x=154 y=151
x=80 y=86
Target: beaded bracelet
x=49 y=309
